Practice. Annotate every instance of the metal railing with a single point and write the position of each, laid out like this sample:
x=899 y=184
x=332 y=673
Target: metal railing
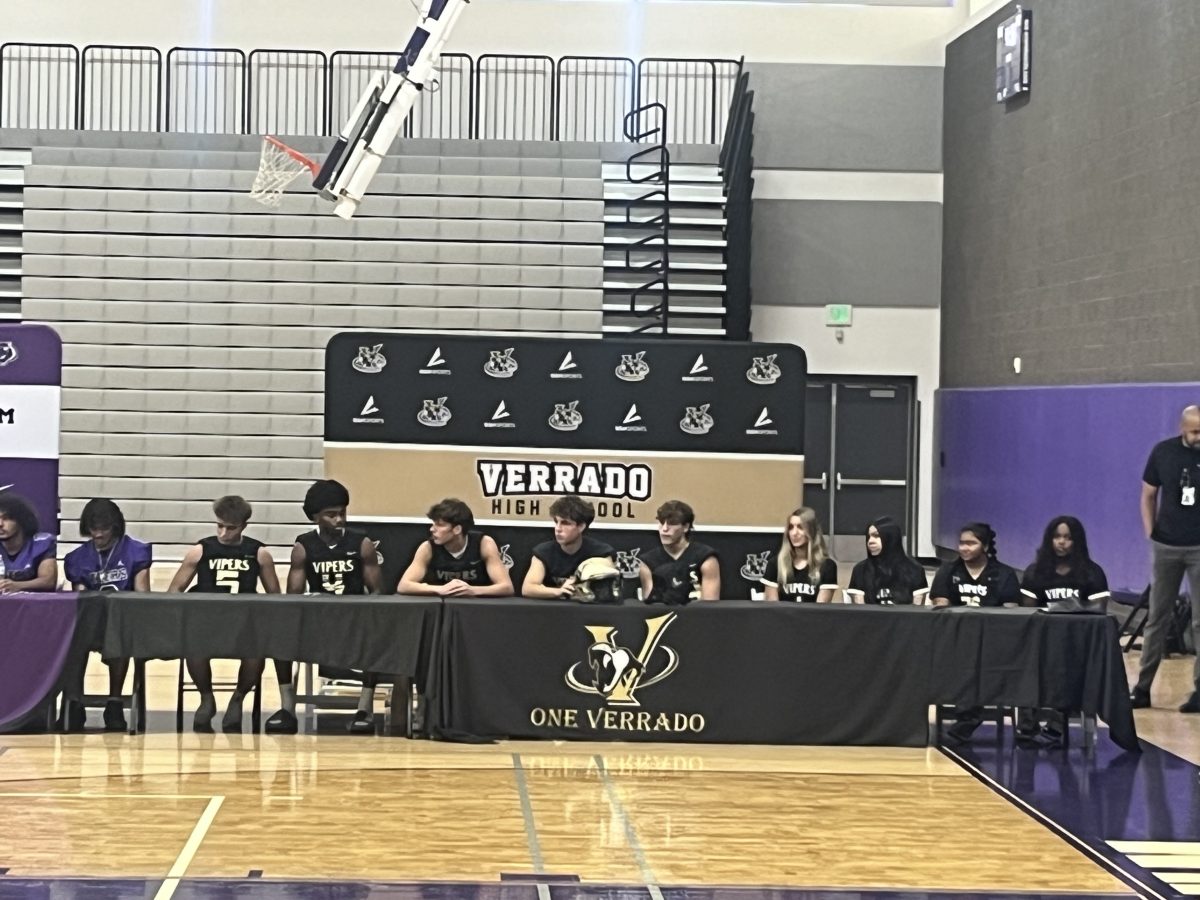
x=736 y=161
x=290 y=91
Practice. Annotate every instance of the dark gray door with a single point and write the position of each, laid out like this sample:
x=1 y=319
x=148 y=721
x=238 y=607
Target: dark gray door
x=818 y=441
x=867 y=437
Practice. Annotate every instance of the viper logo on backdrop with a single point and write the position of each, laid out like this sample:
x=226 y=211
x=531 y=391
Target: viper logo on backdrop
x=8 y=353
x=370 y=360
x=566 y=416
x=500 y=363
x=616 y=673
x=505 y=558
x=755 y=567
x=629 y=563
x=633 y=367
x=434 y=413
x=697 y=420
x=764 y=370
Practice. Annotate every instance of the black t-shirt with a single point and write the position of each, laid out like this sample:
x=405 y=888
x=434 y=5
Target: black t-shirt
x=228 y=569
x=677 y=582
x=995 y=586
x=561 y=566
x=1172 y=466
x=336 y=569
x=801 y=588
x=1087 y=585
x=468 y=566
x=908 y=578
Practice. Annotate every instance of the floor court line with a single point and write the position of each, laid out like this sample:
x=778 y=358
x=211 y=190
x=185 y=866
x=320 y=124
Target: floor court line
x=631 y=837
x=179 y=868
x=531 y=835
x=1121 y=874
x=104 y=795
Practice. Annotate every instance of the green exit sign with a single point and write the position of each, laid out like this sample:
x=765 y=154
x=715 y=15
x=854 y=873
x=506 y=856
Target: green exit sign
x=839 y=315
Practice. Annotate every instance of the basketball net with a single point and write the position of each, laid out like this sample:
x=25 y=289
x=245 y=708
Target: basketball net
x=277 y=168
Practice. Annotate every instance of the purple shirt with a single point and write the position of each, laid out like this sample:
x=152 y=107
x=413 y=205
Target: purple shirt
x=108 y=570
x=24 y=566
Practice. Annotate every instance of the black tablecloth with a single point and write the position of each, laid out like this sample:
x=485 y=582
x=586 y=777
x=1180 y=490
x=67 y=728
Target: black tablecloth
x=1022 y=657
x=738 y=671
x=394 y=635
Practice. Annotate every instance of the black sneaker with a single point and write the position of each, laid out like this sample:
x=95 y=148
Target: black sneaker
x=1140 y=699
x=114 y=716
x=283 y=722
x=362 y=723
x=1192 y=705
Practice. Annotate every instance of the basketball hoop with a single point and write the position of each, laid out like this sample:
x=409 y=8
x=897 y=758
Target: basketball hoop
x=277 y=168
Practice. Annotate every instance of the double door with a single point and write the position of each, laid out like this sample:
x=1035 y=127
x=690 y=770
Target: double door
x=860 y=457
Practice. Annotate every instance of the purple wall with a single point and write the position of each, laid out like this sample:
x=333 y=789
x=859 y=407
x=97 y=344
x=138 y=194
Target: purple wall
x=1017 y=457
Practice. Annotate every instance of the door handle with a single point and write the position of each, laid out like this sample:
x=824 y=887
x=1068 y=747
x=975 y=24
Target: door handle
x=838 y=481
x=823 y=481
x=869 y=482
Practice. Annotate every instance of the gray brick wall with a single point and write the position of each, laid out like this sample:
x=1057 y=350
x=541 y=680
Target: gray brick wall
x=1072 y=219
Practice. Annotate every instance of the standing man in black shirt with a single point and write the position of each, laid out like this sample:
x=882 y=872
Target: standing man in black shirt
x=551 y=574
x=330 y=559
x=679 y=570
x=1171 y=520
x=457 y=560
x=226 y=563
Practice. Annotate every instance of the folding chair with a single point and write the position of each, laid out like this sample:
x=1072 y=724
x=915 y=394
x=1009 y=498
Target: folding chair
x=1132 y=629
x=320 y=693
x=184 y=685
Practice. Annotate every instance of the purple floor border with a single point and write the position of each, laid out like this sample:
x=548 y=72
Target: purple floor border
x=1093 y=797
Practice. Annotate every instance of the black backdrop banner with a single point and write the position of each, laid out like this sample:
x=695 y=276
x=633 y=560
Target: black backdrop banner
x=565 y=395
x=508 y=424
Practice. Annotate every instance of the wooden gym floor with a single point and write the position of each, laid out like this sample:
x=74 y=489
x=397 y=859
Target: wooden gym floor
x=377 y=809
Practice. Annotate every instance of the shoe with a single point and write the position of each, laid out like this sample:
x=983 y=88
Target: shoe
x=1029 y=738
x=282 y=722
x=1140 y=699
x=232 y=720
x=1192 y=705
x=362 y=723
x=1051 y=739
x=202 y=721
x=114 y=716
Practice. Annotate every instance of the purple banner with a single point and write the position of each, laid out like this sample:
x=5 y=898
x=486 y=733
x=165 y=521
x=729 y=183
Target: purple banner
x=37 y=481
x=30 y=376
x=1017 y=457
x=35 y=635
x=30 y=354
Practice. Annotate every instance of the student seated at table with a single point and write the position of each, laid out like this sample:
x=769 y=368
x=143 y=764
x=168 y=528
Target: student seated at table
x=28 y=557
x=456 y=560
x=226 y=563
x=803 y=570
x=975 y=578
x=888 y=576
x=329 y=559
x=110 y=560
x=551 y=574
x=1062 y=573
x=679 y=570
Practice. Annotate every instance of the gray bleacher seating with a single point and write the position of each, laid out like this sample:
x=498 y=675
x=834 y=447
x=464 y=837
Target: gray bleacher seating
x=194 y=319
